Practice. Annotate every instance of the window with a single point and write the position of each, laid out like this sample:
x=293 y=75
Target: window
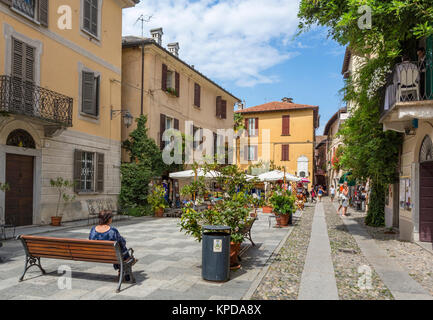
x=221 y=108
x=90 y=93
x=252 y=126
x=197 y=143
x=285 y=152
x=165 y=124
x=170 y=81
x=88 y=171
x=90 y=16
x=37 y=10
x=251 y=153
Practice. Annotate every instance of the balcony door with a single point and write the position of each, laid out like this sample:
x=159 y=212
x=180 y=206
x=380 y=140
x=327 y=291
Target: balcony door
x=429 y=67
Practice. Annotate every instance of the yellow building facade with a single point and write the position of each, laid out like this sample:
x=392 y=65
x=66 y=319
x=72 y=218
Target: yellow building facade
x=157 y=83
x=282 y=133
x=60 y=69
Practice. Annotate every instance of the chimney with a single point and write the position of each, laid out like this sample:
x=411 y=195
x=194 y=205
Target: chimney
x=288 y=100
x=173 y=48
x=157 y=35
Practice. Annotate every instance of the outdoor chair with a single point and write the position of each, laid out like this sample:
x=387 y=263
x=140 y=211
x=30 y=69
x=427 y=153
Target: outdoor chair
x=408 y=87
x=9 y=223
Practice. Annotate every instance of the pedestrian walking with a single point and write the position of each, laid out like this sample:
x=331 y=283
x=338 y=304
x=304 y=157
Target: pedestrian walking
x=320 y=193
x=345 y=198
x=332 y=190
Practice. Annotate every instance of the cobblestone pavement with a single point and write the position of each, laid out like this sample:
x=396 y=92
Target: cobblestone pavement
x=347 y=259
x=169 y=266
x=417 y=261
x=284 y=275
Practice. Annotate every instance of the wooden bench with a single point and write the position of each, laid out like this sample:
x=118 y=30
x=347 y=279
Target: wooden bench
x=246 y=230
x=77 y=250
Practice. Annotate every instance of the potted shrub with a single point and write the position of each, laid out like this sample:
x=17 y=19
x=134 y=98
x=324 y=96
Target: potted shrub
x=61 y=185
x=257 y=202
x=283 y=203
x=157 y=201
x=267 y=208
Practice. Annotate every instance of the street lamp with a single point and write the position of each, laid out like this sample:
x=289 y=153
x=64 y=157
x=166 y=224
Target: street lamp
x=127 y=116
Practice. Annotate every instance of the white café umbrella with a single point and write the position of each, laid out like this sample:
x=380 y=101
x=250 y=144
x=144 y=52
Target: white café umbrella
x=277 y=175
x=190 y=174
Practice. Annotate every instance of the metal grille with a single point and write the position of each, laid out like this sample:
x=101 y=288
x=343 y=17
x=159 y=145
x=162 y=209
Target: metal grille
x=25 y=6
x=24 y=97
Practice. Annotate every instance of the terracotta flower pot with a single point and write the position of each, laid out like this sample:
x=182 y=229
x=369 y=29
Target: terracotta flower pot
x=284 y=220
x=159 y=212
x=234 y=253
x=56 y=221
x=267 y=209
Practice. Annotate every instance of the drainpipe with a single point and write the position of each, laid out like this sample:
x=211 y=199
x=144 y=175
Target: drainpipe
x=142 y=77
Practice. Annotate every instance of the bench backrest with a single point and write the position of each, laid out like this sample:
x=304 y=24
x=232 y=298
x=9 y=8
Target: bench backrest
x=71 y=249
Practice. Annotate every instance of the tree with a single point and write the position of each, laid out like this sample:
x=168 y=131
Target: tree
x=369 y=152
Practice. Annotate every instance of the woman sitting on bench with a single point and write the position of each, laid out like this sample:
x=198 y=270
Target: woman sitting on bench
x=103 y=231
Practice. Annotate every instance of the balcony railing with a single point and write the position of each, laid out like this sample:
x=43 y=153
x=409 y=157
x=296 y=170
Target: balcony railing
x=25 y=98
x=409 y=81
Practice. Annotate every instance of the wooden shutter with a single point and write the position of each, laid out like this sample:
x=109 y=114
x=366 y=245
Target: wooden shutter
x=286 y=126
x=94 y=17
x=77 y=170
x=23 y=61
x=99 y=172
x=164 y=78
x=223 y=109
x=285 y=152
x=197 y=94
x=97 y=81
x=88 y=93
x=176 y=124
x=256 y=131
x=43 y=12
x=177 y=83
x=218 y=106
x=246 y=125
x=161 y=130
x=87 y=15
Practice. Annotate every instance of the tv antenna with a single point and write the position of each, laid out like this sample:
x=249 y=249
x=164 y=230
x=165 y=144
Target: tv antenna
x=143 y=19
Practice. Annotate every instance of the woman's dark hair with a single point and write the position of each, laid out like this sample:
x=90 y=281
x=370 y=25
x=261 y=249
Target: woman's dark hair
x=104 y=217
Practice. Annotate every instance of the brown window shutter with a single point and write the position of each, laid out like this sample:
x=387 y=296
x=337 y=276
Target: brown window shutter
x=77 y=170
x=88 y=93
x=218 y=106
x=286 y=125
x=100 y=172
x=246 y=125
x=161 y=129
x=177 y=83
x=176 y=124
x=197 y=94
x=285 y=152
x=164 y=78
x=223 y=109
x=257 y=127
x=43 y=12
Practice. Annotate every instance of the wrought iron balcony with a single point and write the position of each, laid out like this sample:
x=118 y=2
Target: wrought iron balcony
x=25 y=98
x=410 y=83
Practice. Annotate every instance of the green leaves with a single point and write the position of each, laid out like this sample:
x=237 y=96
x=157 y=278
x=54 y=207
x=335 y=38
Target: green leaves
x=156 y=198
x=283 y=202
x=62 y=185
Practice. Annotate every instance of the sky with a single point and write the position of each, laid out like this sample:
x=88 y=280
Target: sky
x=250 y=48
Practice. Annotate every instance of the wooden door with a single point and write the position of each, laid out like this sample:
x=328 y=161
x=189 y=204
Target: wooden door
x=19 y=199
x=426 y=202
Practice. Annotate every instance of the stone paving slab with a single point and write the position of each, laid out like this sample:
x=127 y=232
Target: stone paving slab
x=398 y=281
x=318 y=279
x=169 y=265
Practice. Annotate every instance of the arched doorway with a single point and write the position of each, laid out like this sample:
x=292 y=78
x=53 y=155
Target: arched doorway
x=426 y=190
x=20 y=177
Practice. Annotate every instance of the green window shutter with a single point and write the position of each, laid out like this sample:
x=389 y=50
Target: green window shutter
x=100 y=172
x=43 y=12
x=78 y=154
x=88 y=93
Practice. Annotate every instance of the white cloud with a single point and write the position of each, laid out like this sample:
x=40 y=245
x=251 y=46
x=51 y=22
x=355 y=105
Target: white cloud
x=228 y=40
